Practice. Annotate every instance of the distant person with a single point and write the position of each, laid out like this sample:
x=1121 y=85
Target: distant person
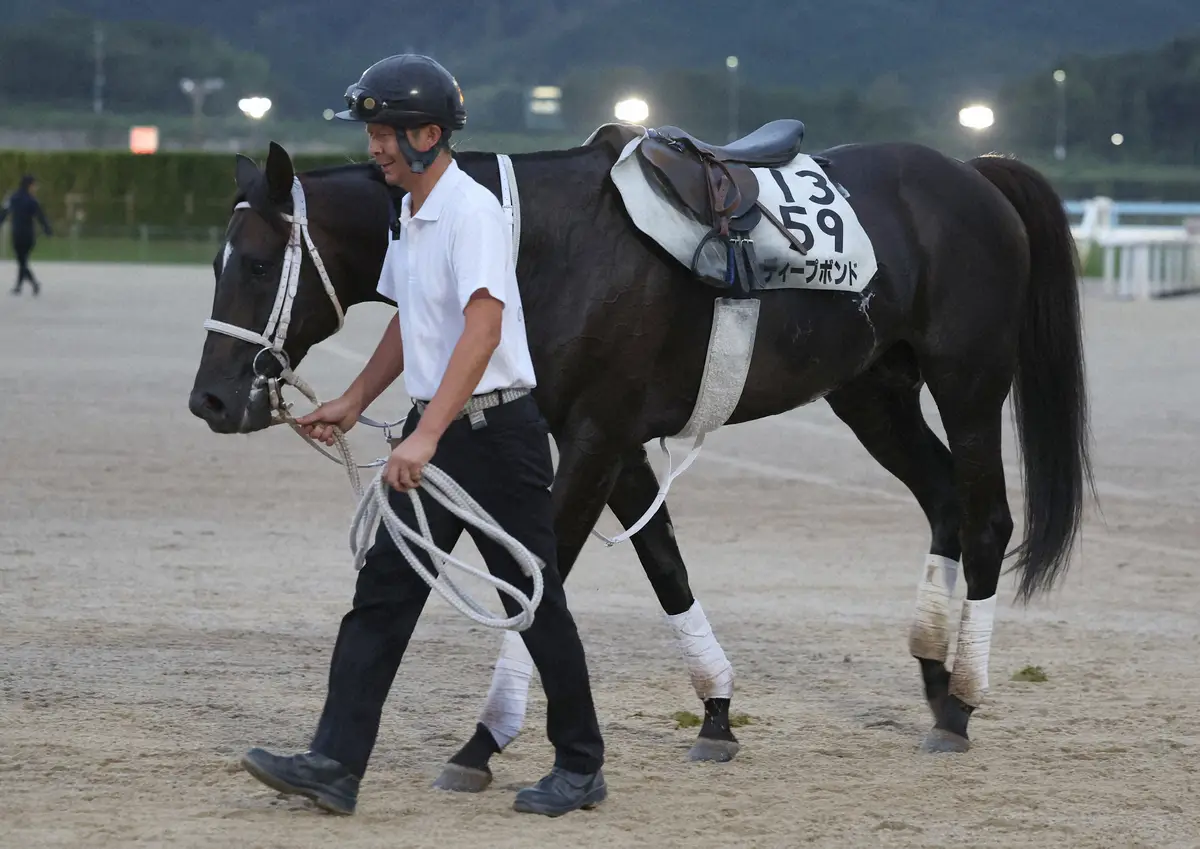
x=23 y=206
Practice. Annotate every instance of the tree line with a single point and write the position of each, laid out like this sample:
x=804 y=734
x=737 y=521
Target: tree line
x=1148 y=99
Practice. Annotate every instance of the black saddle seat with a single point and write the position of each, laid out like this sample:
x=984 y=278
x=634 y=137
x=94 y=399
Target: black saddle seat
x=775 y=143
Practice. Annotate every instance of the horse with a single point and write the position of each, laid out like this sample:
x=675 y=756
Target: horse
x=975 y=296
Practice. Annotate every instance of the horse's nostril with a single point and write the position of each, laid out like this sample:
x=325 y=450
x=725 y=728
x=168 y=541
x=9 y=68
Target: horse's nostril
x=206 y=406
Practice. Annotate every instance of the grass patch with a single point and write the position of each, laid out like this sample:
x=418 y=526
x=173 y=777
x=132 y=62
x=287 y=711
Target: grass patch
x=686 y=719
x=1032 y=675
x=66 y=249
x=129 y=250
x=1093 y=261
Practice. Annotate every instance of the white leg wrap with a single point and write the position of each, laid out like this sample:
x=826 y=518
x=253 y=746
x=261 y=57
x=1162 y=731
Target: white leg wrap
x=709 y=669
x=969 y=678
x=929 y=637
x=504 y=712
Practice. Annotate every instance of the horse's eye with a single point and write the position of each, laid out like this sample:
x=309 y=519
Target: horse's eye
x=258 y=268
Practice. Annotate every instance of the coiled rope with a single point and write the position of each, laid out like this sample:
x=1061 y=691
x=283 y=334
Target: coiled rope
x=374 y=507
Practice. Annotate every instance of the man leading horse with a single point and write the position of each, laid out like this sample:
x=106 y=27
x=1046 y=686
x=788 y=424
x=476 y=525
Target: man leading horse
x=459 y=340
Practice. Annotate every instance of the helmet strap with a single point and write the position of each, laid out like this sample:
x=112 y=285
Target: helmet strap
x=418 y=162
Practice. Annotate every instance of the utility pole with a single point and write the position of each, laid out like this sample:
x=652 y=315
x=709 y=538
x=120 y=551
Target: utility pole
x=98 y=75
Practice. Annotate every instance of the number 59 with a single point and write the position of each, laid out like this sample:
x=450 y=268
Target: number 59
x=828 y=222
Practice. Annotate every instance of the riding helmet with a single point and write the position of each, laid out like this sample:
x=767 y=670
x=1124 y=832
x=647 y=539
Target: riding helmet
x=406 y=90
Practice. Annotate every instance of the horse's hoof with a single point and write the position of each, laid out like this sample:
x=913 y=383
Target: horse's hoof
x=939 y=741
x=463 y=779
x=718 y=751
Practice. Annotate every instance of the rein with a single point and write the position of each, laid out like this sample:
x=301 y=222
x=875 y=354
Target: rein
x=373 y=506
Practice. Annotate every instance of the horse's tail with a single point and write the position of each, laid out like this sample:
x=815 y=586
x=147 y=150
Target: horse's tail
x=1049 y=396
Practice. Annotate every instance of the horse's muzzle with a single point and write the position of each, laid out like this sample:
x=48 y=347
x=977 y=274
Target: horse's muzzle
x=215 y=411
x=223 y=416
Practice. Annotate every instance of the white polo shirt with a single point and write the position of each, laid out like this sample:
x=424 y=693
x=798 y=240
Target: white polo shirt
x=458 y=242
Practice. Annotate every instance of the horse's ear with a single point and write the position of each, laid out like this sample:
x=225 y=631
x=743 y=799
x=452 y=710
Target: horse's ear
x=245 y=174
x=280 y=174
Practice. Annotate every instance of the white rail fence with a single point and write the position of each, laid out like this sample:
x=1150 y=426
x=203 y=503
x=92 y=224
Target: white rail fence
x=1148 y=250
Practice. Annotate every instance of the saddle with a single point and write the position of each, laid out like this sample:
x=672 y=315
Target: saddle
x=716 y=186
x=772 y=145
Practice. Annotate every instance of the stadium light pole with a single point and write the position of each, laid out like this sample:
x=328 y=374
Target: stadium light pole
x=1060 y=144
x=255 y=108
x=976 y=117
x=98 y=71
x=631 y=110
x=198 y=91
x=731 y=62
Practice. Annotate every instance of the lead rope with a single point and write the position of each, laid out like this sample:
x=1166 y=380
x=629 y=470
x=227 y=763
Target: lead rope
x=373 y=507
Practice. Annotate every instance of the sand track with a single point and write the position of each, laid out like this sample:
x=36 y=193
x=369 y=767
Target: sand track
x=169 y=598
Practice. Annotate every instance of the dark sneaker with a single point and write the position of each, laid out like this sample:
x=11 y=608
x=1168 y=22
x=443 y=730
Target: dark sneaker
x=329 y=784
x=561 y=792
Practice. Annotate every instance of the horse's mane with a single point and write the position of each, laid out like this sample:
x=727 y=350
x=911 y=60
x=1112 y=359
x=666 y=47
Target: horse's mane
x=369 y=170
x=257 y=195
x=532 y=156
x=610 y=139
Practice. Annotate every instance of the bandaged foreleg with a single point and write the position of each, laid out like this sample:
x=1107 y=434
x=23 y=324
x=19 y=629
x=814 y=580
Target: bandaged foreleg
x=929 y=637
x=709 y=669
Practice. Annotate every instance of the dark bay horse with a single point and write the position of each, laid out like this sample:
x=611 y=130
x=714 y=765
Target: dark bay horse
x=975 y=296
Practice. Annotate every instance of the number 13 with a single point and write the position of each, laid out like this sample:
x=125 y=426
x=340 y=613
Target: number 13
x=824 y=199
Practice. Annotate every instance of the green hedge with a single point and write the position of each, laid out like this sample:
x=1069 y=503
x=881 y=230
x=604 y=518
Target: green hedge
x=1131 y=182
x=115 y=188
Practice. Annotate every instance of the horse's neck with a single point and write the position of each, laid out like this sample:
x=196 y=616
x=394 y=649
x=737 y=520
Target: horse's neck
x=363 y=259
x=361 y=285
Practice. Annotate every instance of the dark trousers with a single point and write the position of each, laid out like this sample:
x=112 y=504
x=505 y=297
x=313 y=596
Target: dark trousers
x=23 y=249
x=506 y=466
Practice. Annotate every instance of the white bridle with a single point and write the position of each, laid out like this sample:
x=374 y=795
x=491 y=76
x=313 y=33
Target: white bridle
x=274 y=336
x=373 y=506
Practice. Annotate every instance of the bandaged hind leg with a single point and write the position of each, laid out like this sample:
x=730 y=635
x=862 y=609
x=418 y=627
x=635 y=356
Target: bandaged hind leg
x=504 y=712
x=969 y=677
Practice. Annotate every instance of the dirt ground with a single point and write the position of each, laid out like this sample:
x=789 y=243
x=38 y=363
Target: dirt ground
x=169 y=598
